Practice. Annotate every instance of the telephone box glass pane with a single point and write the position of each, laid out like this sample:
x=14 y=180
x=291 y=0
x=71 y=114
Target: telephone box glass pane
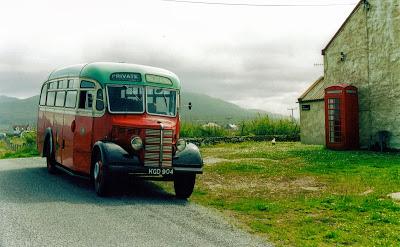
x=335 y=128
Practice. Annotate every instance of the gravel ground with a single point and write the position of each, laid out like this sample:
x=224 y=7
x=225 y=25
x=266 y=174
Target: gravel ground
x=38 y=209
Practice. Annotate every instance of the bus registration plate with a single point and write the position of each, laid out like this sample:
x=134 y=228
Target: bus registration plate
x=161 y=171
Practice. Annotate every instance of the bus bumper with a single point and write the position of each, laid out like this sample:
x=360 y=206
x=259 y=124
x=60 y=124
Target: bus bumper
x=117 y=160
x=152 y=170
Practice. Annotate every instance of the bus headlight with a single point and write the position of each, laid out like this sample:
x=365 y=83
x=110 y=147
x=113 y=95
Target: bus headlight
x=137 y=143
x=180 y=145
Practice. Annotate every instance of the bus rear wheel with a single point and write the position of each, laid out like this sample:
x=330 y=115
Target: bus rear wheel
x=50 y=160
x=184 y=185
x=100 y=177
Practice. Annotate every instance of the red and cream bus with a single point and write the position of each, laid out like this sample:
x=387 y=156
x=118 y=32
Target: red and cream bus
x=101 y=120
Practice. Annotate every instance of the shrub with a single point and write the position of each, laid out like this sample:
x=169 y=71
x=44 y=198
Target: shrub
x=260 y=126
x=267 y=126
x=29 y=138
x=196 y=130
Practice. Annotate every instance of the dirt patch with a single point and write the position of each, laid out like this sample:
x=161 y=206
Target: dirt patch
x=367 y=192
x=303 y=183
x=255 y=184
x=215 y=160
x=395 y=196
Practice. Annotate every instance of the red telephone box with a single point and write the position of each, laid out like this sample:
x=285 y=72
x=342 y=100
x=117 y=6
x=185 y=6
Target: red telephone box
x=341 y=117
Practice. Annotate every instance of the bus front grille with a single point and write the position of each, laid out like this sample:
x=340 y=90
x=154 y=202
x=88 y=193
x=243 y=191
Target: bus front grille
x=158 y=147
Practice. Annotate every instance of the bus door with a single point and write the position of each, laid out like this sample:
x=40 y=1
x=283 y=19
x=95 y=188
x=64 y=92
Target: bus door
x=58 y=124
x=41 y=117
x=69 y=128
x=83 y=134
x=48 y=115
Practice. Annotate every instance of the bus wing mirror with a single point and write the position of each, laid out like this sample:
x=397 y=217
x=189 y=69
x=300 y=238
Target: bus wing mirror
x=190 y=105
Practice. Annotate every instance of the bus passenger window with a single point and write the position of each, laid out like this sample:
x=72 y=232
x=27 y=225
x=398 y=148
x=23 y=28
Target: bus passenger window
x=90 y=100
x=43 y=95
x=51 y=96
x=85 y=100
x=87 y=84
x=99 y=100
x=60 y=98
x=52 y=85
x=60 y=84
x=65 y=84
x=70 y=83
x=70 y=101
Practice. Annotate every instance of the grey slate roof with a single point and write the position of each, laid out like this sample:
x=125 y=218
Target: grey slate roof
x=315 y=92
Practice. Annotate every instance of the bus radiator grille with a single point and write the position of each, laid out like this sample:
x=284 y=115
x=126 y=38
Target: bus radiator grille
x=156 y=154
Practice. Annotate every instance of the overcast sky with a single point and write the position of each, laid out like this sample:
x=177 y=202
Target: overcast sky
x=256 y=57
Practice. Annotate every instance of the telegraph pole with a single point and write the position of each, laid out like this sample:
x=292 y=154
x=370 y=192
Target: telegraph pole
x=292 y=110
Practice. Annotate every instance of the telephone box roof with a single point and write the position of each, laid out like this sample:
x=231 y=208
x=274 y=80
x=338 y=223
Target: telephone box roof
x=340 y=86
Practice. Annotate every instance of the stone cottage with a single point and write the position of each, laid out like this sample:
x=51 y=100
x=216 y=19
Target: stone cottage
x=365 y=53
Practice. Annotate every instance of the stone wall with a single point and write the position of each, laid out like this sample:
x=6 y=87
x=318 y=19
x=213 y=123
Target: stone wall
x=201 y=141
x=312 y=123
x=384 y=61
x=371 y=42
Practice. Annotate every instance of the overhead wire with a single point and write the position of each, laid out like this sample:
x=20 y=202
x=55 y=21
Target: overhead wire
x=258 y=5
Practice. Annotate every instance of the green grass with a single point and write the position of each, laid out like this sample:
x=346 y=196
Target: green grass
x=298 y=195
x=28 y=151
x=22 y=153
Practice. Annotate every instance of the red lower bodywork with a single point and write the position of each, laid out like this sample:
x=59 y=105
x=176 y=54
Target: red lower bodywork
x=74 y=135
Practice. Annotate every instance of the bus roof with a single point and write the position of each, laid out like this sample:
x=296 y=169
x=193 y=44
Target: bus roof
x=102 y=71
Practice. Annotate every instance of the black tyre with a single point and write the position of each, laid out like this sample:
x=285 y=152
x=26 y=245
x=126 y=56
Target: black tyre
x=100 y=177
x=50 y=160
x=184 y=185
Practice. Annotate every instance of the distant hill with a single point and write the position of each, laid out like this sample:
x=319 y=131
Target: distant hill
x=18 y=111
x=205 y=109
x=5 y=99
x=209 y=109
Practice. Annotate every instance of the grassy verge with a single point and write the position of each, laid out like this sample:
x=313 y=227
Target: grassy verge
x=29 y=150
x=25 y=152
x=297 y=195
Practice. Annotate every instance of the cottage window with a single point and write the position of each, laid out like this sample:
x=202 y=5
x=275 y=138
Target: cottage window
x=306 y=107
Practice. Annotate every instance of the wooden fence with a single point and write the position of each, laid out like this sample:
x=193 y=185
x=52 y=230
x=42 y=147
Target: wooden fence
x=16 y=147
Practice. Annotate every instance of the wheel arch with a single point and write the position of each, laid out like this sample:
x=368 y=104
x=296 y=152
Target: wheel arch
x=190 y=156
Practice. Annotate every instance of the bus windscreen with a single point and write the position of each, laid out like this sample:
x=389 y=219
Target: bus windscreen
x=161 y=101
x=125 y=99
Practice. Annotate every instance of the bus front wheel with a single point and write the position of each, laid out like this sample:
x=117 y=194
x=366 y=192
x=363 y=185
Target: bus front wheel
x=100 y=177
x=184 y=185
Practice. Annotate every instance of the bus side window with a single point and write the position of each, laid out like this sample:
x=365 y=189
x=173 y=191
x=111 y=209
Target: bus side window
x=60 y=99
x=89 y=100
x=51 y=96
x=99 y=100
x=43 y=95
x=85 y=100
x=70 y=101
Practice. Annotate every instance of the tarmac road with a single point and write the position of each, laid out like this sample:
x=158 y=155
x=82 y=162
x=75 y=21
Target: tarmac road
x=39 y=209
